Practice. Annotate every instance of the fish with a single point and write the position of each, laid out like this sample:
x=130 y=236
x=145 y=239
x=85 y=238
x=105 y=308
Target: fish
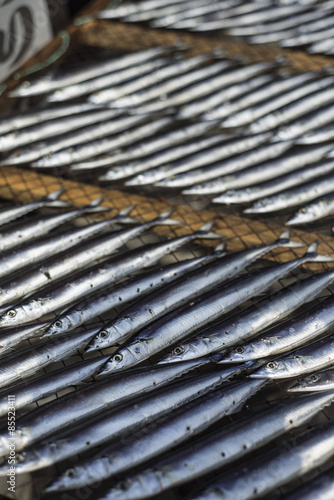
x=114 y=422
x=125 y=292
x=307 y=122
x=197 y=90
x=52 y=81
x=316 y=210
x=274 y=186
x=142 y=313
x=45 y=385
x=21 y=120
x=322 y=134
x=294 y=196
x=15 y=212
x=230 y=165
x=21 y=364
x=318 y=381
x=93 y=399
x=185 y=320
x=321 y=488
x=148 y=88
x=51 y=245
x=10 y=337
x=55 y=298
x=28 y=230
x=37 y=150
x=274 y=468
x=307 y=38
x=260 y=316
x=52 y=129
x=285 y=337
x=314 y=357
x=154 y=440
x=108 y=80
x=83 y=151
x=291 y=161
x=266 y=110
x=220 y=448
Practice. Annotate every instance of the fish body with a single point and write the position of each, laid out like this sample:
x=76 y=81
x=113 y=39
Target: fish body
x=319 y=381
x=321 y=488
x=318 y=209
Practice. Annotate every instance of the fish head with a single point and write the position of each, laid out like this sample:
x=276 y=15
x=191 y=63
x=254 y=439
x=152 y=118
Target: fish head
x=74 y=477
x=182 y=352
x=272 y=370
x=241 y=353
x=60 y=325
x=26 y=89
x=120 y=360
x=315 y=382
x=106 y=337
x=261 y=206
x=54 y=159
x=13 y=317
x=7 y=142
x=304 y=215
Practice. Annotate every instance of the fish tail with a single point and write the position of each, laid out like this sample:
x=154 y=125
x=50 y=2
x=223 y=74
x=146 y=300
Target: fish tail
x=284 y=240
x=165 y=220
x=220 y=250
x=206 y=233
x=123 y=215
x=95 y=207
x=311 y=254
x=52 y=199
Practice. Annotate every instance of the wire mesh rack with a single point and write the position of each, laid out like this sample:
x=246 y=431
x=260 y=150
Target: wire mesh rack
x=100 y=39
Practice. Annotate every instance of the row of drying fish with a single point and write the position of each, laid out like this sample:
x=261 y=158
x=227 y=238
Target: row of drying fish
x=290 y=24
x=132 y=415
x=220 y=127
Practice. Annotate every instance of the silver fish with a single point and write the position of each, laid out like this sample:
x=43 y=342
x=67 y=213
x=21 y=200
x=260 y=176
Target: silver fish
x=90 y=253
x=267 y=109
x=294 y=197
x=121 y=10
x=94 y=398
x=22 y=120
x=230 y=165
x=149 y=309
x=168 y=12
x=45 y=385
x=321 y=488
x=49 y=246
x=319 y=381
x=165 y=173
x=145 y=89
x=323 y=46
x=323 y=134
x=63 y=295
x=12 y=336
x=209 y=85
x=52 y=128
x=274 y=469
x=51 y=200
x=80 y=152
x=221 y=448
x=28 y=230
x=308 y=38
x=123 y=293
x=149 y=443
x=252 y=321
x=185 y=320
x=305 y=360
x=283 y=338
x=112 y=423
x=26 y=362
x=291 y=161
x=295 y=110
x=316 y=210
x=51 y=82
x=106 y=81
x=276 y=185
x=90 y=133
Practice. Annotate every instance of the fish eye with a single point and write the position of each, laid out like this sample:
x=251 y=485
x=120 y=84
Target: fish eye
x=70 y=473
x=178 y=350
x=303 y=210
x=26 y=84
x=118 y=358
x=314 y=378
x=21 y=456
x=103 y=334
x=58 y=323
x=239 y=349
x=272 y=365
x=11 y=313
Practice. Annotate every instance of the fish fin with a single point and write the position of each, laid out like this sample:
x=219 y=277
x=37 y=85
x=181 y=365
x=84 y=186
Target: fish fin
x=220 y=250
x=51 y=200
x=312 y=255
x=164 y=219
x=123 y=216
x=205 y=233
x=284 y=240
x=95 y=207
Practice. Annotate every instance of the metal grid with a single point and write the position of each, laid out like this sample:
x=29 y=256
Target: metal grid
x=22 y=185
